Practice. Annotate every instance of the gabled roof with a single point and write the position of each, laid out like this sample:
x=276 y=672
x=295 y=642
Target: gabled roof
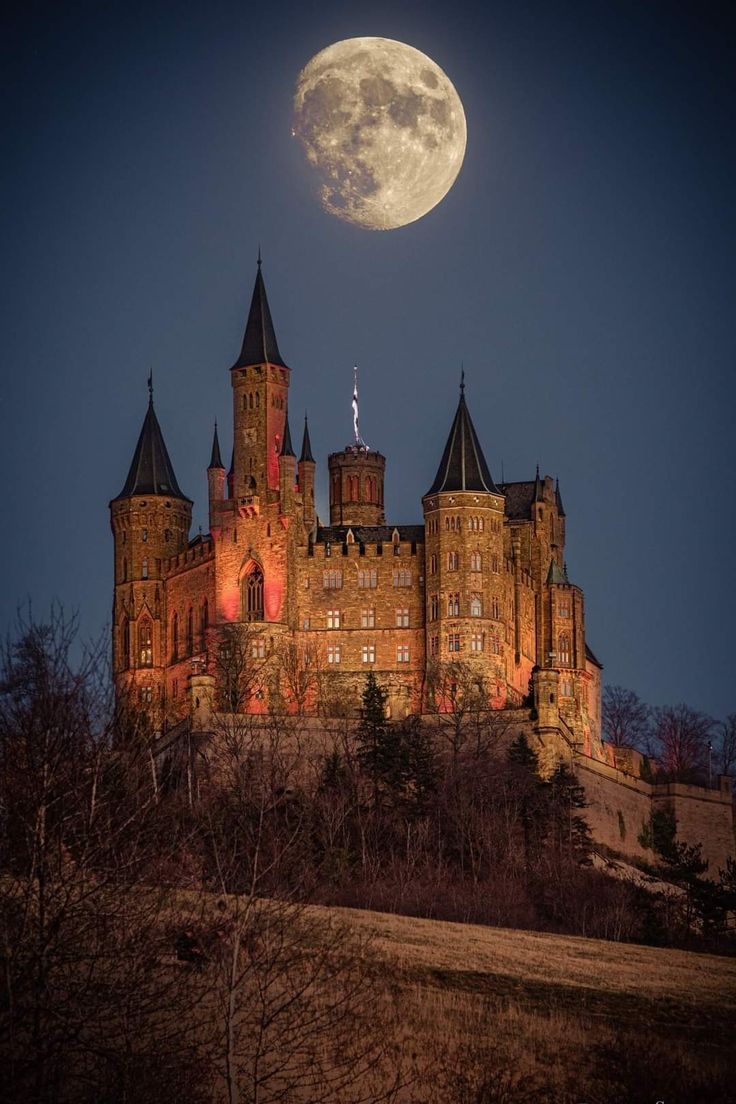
x=259 y=341
x=151 y=471
x=463 y=466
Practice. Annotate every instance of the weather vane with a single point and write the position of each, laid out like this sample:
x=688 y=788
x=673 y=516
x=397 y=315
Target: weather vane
x=359 y=442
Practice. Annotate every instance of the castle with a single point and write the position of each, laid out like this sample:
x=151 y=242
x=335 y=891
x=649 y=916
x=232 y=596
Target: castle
x=282 y=612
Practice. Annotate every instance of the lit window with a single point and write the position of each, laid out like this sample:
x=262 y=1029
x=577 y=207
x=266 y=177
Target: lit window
x=453 y=642
x=477 y=642
x=333 y=653
x=258 y=648
x=145 y=644
x=146 y=695
x=452 y=561
x=368 y=578
x=333 y=619
x=368 y=653
x=563 y=650
x=476 y=606
x=476 y=561
x=252 y=596
x=402 y=618
x=495 y=608
x=453 y=605
x=144 y=569
x=402 y=578
x=402 y=653
x=332 y=580
x=480 y=524
x=563 y=607
x=367 y=618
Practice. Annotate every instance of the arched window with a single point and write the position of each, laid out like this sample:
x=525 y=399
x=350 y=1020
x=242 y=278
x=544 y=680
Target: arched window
x=190 y=631
x=205 y=618
x=126 y=643
x=453 y=560
x=144 y=569
x=145 y=644
x=476 y=606
x=476 y=562
x=563 y=650
x=495 y=608
x=175 y=637
x=253 y=595
x=258 y=401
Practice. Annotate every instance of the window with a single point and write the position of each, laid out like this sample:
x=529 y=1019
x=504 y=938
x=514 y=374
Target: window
x=205 y=618
x=477 y=642
x=495 y=614
x=367 y=618
x=145 y=695
x=144 y=569
x=145 y=644
x=368 y=578
x=253 y=595
x=566 y=688
x=453 y=560
x=126 y=643
x=476 y=606
x=496 y=525
x=306 y=623
x=333 y=619
x=434 y=607
x=332 y=580
x=453 y=642
x=453 y=605
x=402 y=618
x=333 y=653
x=433 y=564
x=476 y=561
x=434 y=645
x=144 y=535
x=494 y=563
x=258 y=648
x=402 y=578
x=563 y=650
x=402 y=653
x=563 y=607
x=495 y=645
x=175 y=637
x=190 y=632
x=368 y=653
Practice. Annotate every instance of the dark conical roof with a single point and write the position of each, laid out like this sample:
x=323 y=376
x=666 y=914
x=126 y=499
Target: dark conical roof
x=151 y=472
x=558 y=500
x=463 y=466
x=259 y=342
x=306 y=445
x=216 y=459
x=538 y=487
x=287 y=449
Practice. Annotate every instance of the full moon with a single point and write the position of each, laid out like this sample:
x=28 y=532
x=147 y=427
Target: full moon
x=383 y=129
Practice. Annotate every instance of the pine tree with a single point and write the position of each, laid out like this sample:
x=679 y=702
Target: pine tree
x=375 y=750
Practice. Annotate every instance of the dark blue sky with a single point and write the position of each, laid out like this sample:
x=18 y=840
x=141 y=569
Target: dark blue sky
x=582 y=267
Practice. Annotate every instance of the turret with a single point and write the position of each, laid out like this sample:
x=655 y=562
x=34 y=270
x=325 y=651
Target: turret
x=356 y=486
x=150 y=521
x=306 y=470
x=463 y=511
x=215 y=483
x=287 y=472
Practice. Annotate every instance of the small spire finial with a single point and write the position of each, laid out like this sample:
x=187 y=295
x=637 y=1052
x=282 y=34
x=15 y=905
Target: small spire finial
x=537 y=475
x=462 y=378
x=359 y=442
x=259 y=255
x=150 y=385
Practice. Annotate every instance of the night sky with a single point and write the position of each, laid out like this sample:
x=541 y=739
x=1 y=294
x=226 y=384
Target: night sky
x=582 y=268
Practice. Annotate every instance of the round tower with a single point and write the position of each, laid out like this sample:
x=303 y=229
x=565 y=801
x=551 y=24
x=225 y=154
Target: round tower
x=356 y=486
x=150 y=521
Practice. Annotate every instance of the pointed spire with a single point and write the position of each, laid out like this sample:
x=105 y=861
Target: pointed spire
x=558 y=499
x=287 y=448
x=463 y=466
x=216 y=459
x=151 y=471
x=259 y=341
x=306 y=445
x=538 y=487
x=231 y=474
x=462 y=378
x=557 y=576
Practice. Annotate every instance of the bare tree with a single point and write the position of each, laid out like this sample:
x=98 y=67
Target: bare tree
x=726 y=745
x=300 y=666
x=681 y=738
x=627 y=720
x=239 y=663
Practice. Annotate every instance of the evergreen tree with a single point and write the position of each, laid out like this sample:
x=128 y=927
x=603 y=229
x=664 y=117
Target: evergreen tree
x=376 y=751
x=569 y=831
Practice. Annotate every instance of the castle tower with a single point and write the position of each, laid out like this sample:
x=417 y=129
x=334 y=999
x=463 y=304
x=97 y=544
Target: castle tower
x=150 y=521
x=356 y=486
x=465 y=581
x=306 y=469
x=260 y=382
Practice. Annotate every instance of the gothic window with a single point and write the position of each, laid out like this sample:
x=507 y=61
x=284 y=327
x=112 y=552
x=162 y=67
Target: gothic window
x=453 y=605
x=563 y=650
x=190 y=631
x=402 y=618
x=333 y=619
x=145 y=644
x=175 y=637
x=144 y=569
x=253 y=595
x=447 y=523
x=476 y=606
x=368 y=653
x=453 y=560
x=476 y=561
x=495 y=612
x=433 y=564
x=126 y=643
x=332 y=580
x=402 y=653
x=434 y=607
x=480 y=524
x=258 y=401
x=205 y=620
x=563 y=607
x=368 y=579
x=250 y=401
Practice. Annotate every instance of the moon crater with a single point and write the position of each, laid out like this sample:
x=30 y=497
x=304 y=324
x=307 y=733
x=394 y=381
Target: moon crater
x=382 y=129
